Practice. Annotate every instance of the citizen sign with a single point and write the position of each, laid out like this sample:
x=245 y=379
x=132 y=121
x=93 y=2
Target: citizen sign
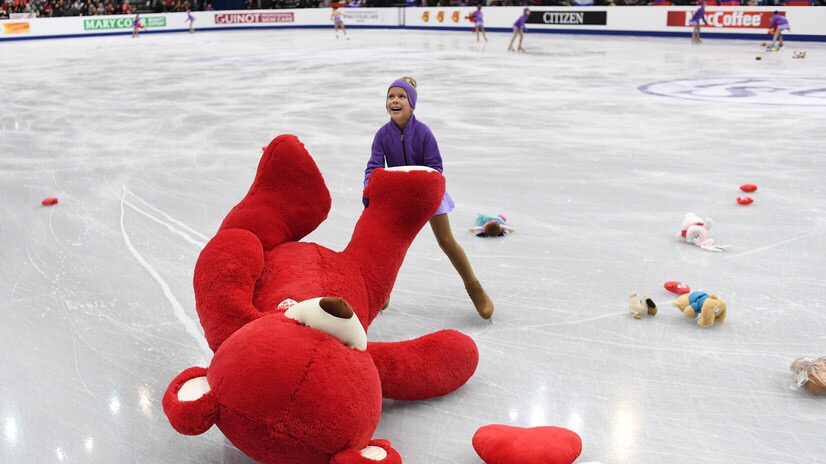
x=568 y=18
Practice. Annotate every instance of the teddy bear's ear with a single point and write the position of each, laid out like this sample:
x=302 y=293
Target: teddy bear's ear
x=189 y=403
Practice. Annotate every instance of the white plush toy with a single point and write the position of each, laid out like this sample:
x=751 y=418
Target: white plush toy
x=695 y=230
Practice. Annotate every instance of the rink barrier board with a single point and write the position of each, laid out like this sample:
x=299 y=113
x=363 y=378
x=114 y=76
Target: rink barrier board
x=726 y=22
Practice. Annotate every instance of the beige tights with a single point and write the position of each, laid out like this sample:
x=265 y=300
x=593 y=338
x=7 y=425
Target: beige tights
x=444 y=237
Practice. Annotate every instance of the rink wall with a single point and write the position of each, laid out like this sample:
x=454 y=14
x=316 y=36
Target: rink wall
x=724 y=22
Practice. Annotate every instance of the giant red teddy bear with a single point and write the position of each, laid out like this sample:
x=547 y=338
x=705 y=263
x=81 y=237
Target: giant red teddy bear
x=293 y=378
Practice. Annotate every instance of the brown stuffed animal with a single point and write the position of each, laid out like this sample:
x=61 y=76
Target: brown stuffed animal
x=810 y=374
x=710 y=308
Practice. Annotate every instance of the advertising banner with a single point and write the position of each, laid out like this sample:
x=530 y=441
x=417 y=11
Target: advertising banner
x=254 y=18
x=102 y=24
x=16 y=28
x=569 y=18
x=724 y=19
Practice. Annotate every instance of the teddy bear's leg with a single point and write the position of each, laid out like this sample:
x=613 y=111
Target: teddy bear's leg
x=225 y=276
x=721 y=316
x=689 y=312
x=706 y=316
x=288 y=198
x=426 y=367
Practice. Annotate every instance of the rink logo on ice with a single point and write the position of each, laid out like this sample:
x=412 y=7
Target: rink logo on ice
x=724 y=19
x=122 y=23
x=254 y=18
x=569 y=18
x=780 y=91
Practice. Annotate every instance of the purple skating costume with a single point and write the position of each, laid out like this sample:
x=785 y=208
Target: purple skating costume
x=189 y=18
x=416 y=146
x=780 y=22
x=520 y=23
x=478 y=18
x=699 y=15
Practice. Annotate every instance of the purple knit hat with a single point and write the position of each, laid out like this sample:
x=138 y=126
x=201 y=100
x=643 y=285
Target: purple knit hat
x=411 y=91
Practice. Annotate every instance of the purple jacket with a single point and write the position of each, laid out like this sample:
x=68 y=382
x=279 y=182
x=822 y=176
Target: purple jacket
x=779 y=21
x=520 y=23
x=415 y=147
x=699 y=15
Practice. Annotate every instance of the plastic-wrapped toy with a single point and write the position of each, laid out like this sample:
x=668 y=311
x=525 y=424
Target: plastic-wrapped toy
x=710 y=308
x=695 y=230
x=810 y=375
x=640 y=306
x=490 y=226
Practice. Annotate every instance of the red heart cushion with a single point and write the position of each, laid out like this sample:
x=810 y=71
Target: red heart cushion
x=748 y=187
x=677 y=287
x=504 y=444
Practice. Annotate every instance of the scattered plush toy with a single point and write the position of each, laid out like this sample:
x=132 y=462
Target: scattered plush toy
x=677 y=287
x=490 y=226
x=810 y=375
x=745 y=200
x=49 y=201
x=799 y=54
x=640 y=306
x=504 y=444
x=748 y=188
x=710 y=308
x=293 y=379
x=695 y=231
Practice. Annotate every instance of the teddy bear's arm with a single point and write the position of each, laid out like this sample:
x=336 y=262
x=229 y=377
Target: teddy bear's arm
x=288 y=198
x=429 y=366
x=225 y=277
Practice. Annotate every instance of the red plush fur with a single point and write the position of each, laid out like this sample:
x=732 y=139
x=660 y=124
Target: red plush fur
x=283 y=392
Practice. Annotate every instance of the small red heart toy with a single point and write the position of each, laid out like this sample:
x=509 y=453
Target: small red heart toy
x=748 y=187
x=49 y=201
x=677 y=287
x=745 y=200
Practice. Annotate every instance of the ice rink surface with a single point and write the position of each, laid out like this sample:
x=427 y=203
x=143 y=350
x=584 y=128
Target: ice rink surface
x=593 y=147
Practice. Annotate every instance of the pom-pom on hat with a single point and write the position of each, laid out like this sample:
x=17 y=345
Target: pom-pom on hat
x=411 y=91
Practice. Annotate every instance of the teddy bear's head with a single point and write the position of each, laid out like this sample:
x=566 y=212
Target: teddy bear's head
x=275 y=395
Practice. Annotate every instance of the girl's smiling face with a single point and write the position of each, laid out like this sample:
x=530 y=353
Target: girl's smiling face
x=398 y=106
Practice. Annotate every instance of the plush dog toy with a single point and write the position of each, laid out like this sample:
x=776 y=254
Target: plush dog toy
x=293 y=379
x=710 y=308
x=810 y=374
x=695 y=230
x=639 y=306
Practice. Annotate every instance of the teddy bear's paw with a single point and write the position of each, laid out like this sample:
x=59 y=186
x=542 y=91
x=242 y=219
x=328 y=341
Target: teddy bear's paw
x=389 y=191
x=377 y=452
x=288 y=198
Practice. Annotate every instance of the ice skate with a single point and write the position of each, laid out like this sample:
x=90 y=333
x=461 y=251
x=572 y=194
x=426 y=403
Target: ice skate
x=483 y=304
